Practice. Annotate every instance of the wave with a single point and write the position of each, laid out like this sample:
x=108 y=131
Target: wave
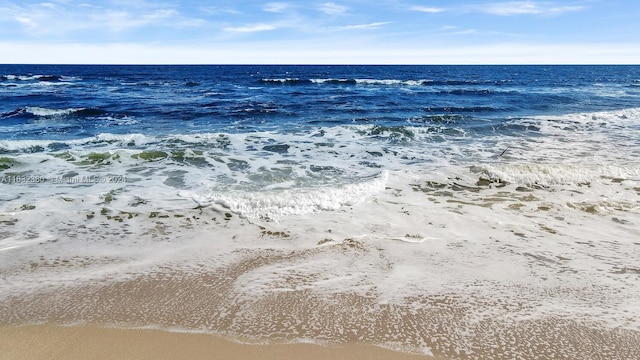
x=136 y=139
x=275 y=205
x=546 y=175
x=40 y=111
x=40 y=78
x=601 y=120
x=384 y=82
x=334 y=81
x=54 y=145
x=460 y=109
x=36 y=111
x=285 y=81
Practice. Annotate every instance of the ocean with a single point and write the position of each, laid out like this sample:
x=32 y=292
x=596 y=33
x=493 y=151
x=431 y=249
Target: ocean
x=456 y=211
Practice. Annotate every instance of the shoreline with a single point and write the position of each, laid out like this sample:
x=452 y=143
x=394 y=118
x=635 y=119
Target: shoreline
x=43 y=342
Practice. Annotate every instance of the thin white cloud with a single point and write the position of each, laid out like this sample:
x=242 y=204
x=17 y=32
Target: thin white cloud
x=449 y=30
x=511 y=8
x=61 y=19
x=426 y=9
x=124 y=20
x=365 y=26
x=250 y=28
x=276 y=7
x=331 y=8
x=218 y=10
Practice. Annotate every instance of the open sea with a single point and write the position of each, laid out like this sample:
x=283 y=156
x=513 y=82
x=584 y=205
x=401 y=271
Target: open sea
x=456 y=211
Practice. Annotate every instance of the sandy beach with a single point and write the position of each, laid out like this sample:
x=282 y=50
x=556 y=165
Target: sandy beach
x=42 y=342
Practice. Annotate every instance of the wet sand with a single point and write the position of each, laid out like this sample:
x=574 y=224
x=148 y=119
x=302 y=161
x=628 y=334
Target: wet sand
x=43 y=342
x=472 y=325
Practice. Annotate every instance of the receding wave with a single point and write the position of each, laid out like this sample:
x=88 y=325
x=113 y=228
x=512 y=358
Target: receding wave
x=554 y=174
x=279 y=204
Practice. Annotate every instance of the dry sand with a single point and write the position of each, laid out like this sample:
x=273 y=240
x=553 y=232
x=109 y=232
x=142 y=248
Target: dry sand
x=44 y=342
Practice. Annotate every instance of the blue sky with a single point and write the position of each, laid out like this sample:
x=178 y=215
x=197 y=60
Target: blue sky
x=340 y=31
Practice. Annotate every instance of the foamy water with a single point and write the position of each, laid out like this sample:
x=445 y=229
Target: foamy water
x=452 y=235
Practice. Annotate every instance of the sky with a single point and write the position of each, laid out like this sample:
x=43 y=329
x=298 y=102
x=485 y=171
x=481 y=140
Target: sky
x=319 y=32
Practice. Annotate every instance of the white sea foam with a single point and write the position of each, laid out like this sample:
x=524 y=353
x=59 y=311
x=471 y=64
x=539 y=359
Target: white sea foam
x=391 y=82
x=276 y=205
x=23 y=77
x=138 y=139
x=281 y=80
x=39 y=111
x=324 y=81
x=555 y=174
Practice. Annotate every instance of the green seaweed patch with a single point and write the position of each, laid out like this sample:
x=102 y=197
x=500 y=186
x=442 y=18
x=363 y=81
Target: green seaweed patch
x=107 y=198
x=516 y=206
x=484 y=182
x=7 y=163
x=282 y=234
x=548 y=229
x=27 y=207
x=151 y=155
x=193 y=157
x=98 y=159
x=122 y=216
x=156 y=214
x=393 y=132
x=528 y=198
x=591 y=209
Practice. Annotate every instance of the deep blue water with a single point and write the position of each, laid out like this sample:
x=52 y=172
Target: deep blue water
x=157 y=100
